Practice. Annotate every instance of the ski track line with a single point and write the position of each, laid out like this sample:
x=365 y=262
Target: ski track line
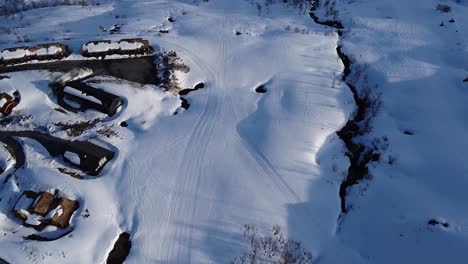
x=190 y=174
x=198 y=149
x=271 y=172
x=194 y=60
x=161 y=149
x=278 y=180
x=265 y=165
x=174 y=196
x=141 y=214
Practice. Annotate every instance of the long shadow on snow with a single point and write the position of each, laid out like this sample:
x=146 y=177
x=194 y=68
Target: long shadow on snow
x=314 y=218
x=220 y=245
x=140 y=69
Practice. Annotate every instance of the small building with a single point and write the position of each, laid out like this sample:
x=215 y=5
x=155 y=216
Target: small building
x=41 y=209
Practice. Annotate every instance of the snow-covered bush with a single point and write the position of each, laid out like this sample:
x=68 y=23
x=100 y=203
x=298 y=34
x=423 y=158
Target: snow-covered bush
x=272 y=249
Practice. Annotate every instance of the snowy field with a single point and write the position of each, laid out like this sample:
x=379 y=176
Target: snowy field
x=184 y=185
x=414 y=56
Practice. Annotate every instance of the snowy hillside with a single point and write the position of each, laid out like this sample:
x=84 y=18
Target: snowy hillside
x=412 y=58
x=266 y=134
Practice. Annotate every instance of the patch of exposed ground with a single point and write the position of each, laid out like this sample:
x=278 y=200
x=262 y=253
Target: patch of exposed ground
x=120 y=250
x=107 y=132
x=36 y=237
x=434 y=222
x=21 y=120
x=76 y=129
x=70 y=173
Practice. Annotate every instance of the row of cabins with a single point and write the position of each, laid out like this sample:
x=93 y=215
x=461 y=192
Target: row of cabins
x=58 y=51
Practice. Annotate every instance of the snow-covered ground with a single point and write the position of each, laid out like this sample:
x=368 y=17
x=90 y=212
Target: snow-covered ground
x=415 y=58
x=184 y=185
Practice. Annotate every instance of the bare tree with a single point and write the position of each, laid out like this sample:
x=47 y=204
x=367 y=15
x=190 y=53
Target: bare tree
x=272 y=249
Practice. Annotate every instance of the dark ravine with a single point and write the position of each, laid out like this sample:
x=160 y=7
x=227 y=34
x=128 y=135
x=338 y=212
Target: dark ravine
x=330 y=23
x=359 y=156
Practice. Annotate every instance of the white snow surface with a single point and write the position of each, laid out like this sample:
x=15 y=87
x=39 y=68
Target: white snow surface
x=416 y=67
x=23 y=52
x=184 y=185
x=104 y=46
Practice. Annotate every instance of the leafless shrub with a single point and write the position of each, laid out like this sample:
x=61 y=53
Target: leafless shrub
x=78 y=128
x=302 y=5
x=4 y=30
x=330 y=9
x=380 y=144
x=272 y=249
x=168 y=64
x=369 y=100
x=392 y=159
x=443 y=8
x=21 y=38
